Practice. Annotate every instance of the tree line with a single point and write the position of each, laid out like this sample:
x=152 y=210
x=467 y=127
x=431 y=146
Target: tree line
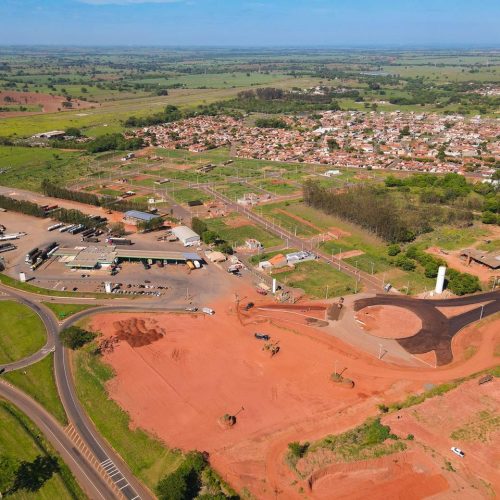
x=111 y=202
x=370 y=208
x=61 y=214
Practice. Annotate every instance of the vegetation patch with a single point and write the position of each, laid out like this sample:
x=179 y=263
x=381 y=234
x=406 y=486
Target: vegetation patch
x=319 y=280
x=29 y=466
x=39 y=382
x=479 y=428
x=22 y=332
x=63 y=311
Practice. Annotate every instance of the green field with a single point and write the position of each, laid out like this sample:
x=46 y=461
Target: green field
x=38 y=381
x=27 y=167
x=63 y=311
x=236 y=236
x=22 y=332
x=319 y=280
x=148 y=459
x=21 y=440
x=189 y=194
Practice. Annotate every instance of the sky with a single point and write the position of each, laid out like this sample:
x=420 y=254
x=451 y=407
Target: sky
x=290 y=23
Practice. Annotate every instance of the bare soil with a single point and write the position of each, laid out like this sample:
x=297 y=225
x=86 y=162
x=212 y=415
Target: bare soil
x=48 y=103
x=389 y=322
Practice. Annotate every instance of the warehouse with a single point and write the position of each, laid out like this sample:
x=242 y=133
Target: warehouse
x=135 y=216
x=99 y=257
x=186 y=235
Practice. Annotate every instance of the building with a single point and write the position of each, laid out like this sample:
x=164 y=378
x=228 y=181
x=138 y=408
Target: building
x=488 y=259
x=253 y=244
x=186 y=235
x=53 y=134
x=103 y=257
x=302 y=256
x=331 y=173
x=135 y=216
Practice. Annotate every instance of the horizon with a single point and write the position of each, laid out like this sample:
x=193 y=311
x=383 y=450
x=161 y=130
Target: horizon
x=251 y=23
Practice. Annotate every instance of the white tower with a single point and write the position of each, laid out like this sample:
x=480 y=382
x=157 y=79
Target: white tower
x=107 y=287
x=440 y=279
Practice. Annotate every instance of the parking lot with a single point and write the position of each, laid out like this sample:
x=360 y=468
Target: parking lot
x=172 y=282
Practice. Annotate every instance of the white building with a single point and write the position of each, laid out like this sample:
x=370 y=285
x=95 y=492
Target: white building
x=186 y=235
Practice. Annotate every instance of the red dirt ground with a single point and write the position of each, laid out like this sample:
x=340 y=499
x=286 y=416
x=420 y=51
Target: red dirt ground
x=389 y=322
x=411 y=472
x=203 y=367
x=470 y=410
x=351 y=253
x=453 y=260
x=49 y=103
x=333 y=232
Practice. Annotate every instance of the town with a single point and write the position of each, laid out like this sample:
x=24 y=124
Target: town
x=370 y=140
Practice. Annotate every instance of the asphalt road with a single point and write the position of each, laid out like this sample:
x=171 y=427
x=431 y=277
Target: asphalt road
x=88 y=477
x=437 y=330
x=107 y=459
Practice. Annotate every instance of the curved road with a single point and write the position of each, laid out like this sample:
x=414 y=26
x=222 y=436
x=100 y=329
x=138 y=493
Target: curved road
x=437 y=330
x=88 y=477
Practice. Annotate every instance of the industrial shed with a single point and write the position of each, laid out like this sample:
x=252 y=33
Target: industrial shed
x=186 y=235
x=135 y=216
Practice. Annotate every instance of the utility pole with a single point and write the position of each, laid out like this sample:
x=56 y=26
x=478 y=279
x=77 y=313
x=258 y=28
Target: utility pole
x=326 y=292
x=482 y=310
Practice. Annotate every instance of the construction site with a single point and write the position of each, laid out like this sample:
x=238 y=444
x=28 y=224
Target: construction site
x=230 y=384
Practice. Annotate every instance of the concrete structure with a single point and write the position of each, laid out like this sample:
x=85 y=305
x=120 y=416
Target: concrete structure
x=53 y=134
x=440 y=279
x=186 y=235
x=107 y=287
x=302 y=256
x=215 y=256
x=488 y=259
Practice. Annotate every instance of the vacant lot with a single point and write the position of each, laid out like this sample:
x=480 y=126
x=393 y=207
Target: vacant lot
x=319 y=280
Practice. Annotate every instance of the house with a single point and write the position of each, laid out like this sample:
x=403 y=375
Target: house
x=331 y=173
x=253 y=244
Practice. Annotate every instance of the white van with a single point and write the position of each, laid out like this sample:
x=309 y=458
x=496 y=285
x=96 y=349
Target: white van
x=208 y=311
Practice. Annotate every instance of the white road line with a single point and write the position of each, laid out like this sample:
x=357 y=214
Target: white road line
x=123 y=487
x=120 y=480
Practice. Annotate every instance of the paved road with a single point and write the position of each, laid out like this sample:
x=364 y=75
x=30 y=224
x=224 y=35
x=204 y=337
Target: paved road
x=86 y=473
x=437 y=330
x=107 y=459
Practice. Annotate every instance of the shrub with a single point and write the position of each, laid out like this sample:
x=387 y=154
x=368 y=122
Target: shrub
x=405 y=263
x=75 y=337
x=393 y=250
x=298 y=450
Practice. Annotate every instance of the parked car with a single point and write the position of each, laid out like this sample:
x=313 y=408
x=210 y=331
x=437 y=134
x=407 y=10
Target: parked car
x=458 y=451
x=208 y=311
x=191 y=309
x=261 y=336
x=249 y=306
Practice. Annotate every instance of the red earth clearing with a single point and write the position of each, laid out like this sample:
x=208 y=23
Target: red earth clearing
x=178 y=384
x=389 y=322
x=48 y=103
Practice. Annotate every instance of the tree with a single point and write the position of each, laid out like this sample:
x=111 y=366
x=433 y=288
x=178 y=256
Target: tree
x=117 y=229
x=75 y=337
x=405 y=263
x=8 y=468
x=185 y=482
x=489 y=217
x=198 y=226
x=209 y=237
x=150 y=225
x=74 y=132
x=225 y=247
x=332 y=144
x=31 y=476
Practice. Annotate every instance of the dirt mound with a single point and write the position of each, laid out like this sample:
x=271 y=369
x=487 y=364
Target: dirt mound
x=138 y=332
